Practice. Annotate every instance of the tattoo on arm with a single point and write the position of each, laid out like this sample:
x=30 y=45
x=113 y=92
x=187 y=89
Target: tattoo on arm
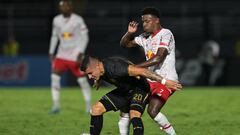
x=137 y=71
x=151 y=75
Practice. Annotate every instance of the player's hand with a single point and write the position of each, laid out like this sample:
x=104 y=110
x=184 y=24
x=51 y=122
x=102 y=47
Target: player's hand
x=173 y=85
x=51 y=57
x=132 y=27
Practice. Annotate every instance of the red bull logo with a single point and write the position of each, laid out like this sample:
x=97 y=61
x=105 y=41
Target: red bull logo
x=67 y=35
x=150 y=54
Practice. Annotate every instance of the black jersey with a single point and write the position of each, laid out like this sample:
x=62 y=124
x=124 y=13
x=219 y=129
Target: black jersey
x=116 y=73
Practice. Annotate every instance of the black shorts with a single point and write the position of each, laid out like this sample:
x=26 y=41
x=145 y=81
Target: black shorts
x=117 y=100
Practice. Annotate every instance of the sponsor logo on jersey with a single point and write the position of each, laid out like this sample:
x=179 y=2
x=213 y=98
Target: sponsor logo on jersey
x=150 y=54
x=67 y=35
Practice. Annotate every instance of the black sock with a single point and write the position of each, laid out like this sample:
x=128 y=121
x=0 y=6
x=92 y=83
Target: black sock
x=138 y=128
x=96 y=124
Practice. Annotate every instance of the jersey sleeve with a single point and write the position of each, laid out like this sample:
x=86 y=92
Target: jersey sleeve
x=165 y=40
x=139 y=40
x=83 y=32
x=54 y=37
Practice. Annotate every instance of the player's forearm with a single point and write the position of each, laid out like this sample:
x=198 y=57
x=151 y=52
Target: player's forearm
x=126 y=39
x=151 y=62
x=157 y=59
x=151 y=75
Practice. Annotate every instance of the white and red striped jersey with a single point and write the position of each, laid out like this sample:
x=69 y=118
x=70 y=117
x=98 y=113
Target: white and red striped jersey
x=162 y=38
x=72 y=33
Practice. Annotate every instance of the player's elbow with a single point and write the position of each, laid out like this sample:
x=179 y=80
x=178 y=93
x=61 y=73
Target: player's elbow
x=122 y=43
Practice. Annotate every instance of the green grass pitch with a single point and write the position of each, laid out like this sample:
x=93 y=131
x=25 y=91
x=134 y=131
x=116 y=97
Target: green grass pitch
x=192 y=111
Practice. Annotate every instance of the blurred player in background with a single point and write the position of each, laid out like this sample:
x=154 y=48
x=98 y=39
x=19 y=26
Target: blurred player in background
x=159 y=47
x=212 y=65
x=72 y=33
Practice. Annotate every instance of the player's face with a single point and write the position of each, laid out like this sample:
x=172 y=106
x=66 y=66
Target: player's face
x=65 y=8
x=149 y=23
x=93 y=71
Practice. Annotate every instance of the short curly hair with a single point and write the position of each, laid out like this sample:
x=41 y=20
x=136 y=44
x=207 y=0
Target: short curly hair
x=152 y=11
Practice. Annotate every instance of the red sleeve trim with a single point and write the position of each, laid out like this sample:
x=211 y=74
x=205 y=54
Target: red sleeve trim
x=164 y=44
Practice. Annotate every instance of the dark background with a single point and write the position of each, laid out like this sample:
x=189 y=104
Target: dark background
x=192 y=22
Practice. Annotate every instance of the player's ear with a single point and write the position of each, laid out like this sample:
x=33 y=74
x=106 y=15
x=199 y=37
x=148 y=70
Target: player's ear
x=157 y=20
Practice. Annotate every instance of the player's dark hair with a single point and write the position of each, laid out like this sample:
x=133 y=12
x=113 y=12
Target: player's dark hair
x=85 y=62
x=151 y=10
x=67 y=1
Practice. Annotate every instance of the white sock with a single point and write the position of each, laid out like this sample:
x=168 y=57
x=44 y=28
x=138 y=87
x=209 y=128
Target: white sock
x=55 y=89
x=86 y=89
x=164 y=124
x=123 y=123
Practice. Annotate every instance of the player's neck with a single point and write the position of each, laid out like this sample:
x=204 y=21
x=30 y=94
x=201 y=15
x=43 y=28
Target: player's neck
x=155 y=32
x=67 y=15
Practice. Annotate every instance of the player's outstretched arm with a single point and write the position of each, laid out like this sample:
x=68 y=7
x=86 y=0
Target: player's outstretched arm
x=137 y=71
x=127 y=40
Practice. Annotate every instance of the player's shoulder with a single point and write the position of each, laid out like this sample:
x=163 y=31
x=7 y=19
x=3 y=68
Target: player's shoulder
x=117 y=60
x=144 y=35
x=77 y=17
x=166 y=31
x=57 y=17
x=115 y=64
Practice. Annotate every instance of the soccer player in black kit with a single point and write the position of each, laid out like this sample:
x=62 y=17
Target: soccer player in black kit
x=131 y=94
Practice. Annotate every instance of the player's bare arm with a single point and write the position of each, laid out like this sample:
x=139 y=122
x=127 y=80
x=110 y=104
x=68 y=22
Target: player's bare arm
x=127 y=40
x=137 y=71
x=157 y=59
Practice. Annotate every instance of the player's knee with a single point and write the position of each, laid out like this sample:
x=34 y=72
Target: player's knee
x=57 y=72
x=152 y=112
x=98 y=109
x=134 y=113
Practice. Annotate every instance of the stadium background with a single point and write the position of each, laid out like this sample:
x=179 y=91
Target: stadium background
x=192 y=22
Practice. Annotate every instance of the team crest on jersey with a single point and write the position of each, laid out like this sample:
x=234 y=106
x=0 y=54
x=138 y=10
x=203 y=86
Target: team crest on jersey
x=67 y=35
x=150 y=54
